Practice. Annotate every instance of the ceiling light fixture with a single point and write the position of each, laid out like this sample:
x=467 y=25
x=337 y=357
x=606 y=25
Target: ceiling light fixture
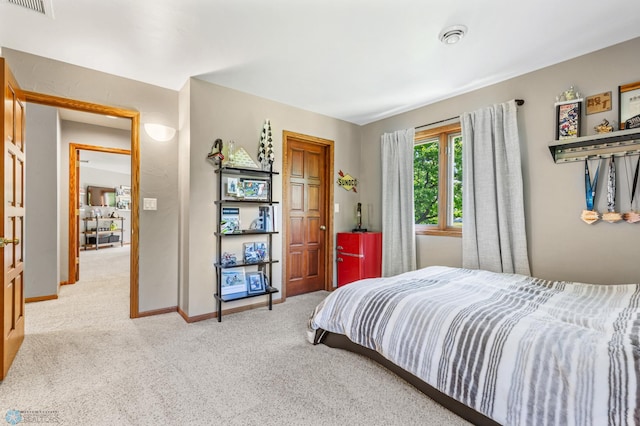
x=453 y=34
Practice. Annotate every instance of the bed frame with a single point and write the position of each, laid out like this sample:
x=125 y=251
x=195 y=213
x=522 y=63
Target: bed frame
x=342 y=342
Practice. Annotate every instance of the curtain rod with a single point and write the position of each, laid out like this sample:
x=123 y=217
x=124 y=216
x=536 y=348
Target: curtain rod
x=519 y=102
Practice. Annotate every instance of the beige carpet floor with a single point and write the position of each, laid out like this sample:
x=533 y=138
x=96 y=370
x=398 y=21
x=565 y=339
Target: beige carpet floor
x=84 y=362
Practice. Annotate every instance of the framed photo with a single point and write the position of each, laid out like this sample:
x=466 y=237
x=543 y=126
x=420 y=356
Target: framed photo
x=232 y=186
x=230 y=220
x=262 y=248
x=255 y=282
x=255 y=252
x=123 y=190
x=250 y=254
x=568 y=118
x=233 y=281
x=629 y=105
x=255 y=189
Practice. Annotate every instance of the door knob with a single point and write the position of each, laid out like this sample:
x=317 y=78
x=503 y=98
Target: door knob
x=5 y=241
x=323 y=228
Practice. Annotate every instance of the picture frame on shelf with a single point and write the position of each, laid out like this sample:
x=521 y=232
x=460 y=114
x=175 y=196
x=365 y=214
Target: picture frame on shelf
x=233 y=281
x=262 y=248
x=255 y=282
x=250 y=253
x=255 y=189
x=232 y=186
x=230 y=220
x=123 y=190
x=568 y=119
x=629 y=105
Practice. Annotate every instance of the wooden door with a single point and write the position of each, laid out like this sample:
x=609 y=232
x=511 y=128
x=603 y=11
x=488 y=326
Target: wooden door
x=11 y=229
x=306 y=218
x=76 y=217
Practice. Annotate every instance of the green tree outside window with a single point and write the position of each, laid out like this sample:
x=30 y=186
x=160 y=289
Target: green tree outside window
x=437 y=181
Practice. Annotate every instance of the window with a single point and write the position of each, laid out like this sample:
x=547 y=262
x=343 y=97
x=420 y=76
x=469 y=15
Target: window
x=437 y=181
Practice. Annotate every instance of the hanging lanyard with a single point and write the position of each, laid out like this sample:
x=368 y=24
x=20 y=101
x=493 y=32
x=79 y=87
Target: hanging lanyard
x=635 y=182
x=589 y=185
x=611 y=186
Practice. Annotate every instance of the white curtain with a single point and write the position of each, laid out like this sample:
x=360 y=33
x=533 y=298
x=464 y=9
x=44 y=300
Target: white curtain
x=494 y=235
x=398 y=235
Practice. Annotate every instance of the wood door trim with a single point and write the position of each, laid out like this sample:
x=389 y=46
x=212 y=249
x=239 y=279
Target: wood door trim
x=73 y=201
x=134 y=116
x=328 y=174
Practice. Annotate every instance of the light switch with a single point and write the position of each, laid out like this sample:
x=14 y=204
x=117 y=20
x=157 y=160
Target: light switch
x=150 y=204
x=336 y=208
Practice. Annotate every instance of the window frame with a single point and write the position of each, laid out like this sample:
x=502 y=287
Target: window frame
x=442 y=133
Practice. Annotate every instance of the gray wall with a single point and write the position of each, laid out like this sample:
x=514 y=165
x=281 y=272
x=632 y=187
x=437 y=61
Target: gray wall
x=561 y=246
x=41 y=196
x=158 y=164
x=211 y=112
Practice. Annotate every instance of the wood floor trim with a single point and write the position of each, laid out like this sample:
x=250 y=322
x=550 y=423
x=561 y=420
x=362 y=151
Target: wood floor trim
x=157 y=312
x=212 y=315
x=40 y=298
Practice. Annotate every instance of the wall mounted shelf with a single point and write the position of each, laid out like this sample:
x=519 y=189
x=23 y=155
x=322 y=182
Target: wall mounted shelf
x=603 y=145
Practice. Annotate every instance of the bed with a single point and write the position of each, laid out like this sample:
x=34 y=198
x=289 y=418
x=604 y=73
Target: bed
x=497 y=348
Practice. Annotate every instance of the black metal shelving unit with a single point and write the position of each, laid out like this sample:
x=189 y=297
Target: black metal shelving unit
x=265 y=266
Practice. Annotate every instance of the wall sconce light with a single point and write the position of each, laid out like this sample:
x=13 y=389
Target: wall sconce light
x=159 y=132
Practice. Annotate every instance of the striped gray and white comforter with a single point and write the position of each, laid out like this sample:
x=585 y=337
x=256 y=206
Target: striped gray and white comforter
x=518 y=349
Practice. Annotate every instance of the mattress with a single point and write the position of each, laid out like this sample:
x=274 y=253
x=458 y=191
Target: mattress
x=518 y=349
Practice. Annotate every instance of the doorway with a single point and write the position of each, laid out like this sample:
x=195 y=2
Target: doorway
x=308 y=219
x=134 y=117
x=80 y=202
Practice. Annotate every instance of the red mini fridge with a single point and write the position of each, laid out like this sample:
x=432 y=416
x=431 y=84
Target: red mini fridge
x=359 y=256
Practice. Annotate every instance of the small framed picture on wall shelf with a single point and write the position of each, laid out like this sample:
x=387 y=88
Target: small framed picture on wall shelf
x=568 y=119
x=255 y=282
x=629 y=106
x=233 y=281
x=232 y=186
x=255 y=189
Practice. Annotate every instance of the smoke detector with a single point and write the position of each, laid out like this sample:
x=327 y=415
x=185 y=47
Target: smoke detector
x=43 y=7
x=453 y=34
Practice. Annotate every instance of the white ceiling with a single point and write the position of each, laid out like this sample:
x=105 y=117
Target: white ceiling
x=356 y=60
x=118 y=163
x=95 y=119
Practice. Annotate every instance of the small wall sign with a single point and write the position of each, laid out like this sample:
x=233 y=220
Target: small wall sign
x=347 y=181
x=598 y=103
